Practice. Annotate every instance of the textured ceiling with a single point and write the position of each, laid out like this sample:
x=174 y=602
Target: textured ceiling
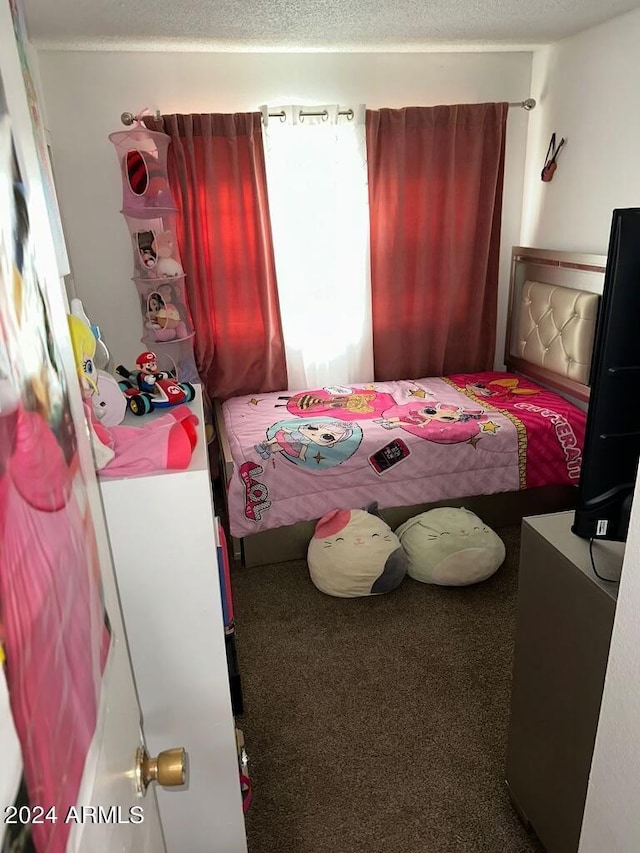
x=336 y=25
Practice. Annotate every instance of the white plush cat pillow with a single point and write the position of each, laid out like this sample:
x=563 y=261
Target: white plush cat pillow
x=450 y=546
x=355 y=553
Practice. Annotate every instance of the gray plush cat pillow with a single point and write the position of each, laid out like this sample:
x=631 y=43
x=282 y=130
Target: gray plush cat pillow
x=355 y=553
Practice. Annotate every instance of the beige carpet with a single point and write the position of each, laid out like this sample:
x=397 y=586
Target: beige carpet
x=378 y=725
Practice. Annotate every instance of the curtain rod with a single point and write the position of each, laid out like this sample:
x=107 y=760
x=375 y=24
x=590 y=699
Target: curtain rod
x=320 y=113
x=528 y=104
x=129 y=118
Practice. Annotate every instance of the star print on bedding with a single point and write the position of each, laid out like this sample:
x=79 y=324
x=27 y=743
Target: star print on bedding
x=298 y=455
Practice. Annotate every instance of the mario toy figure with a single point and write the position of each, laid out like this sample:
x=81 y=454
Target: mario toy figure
x=147 y=388
x=148 y=373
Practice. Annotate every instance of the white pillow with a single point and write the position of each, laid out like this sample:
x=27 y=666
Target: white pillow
x=450 y=546
x=355 y=553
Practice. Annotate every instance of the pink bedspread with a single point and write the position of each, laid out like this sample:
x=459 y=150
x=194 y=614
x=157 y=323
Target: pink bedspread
x=297 y=456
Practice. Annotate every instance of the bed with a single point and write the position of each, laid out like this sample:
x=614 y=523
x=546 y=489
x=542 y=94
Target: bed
x=504 y=444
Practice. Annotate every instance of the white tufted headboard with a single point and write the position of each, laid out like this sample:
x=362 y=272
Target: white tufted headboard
x=553 y=309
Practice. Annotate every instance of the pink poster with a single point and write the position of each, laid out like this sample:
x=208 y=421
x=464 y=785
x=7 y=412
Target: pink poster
x=53 y=626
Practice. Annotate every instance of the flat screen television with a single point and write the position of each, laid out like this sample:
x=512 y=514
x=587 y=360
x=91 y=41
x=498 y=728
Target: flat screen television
x=612 y=438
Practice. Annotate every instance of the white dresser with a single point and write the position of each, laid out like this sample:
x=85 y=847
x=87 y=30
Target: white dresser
x=163 y=538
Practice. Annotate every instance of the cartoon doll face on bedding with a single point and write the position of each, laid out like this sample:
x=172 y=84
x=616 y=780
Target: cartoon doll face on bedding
x=443 y=423
x=349 y=403
x=500 y=389
x=315 y=443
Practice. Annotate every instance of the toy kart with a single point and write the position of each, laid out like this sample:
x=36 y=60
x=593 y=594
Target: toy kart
x=143 y=397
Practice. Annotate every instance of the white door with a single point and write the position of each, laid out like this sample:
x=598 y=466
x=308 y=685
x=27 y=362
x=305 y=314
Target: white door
x=68 y=675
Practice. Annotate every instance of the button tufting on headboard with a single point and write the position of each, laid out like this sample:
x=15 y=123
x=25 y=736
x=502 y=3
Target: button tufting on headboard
x=556 y=327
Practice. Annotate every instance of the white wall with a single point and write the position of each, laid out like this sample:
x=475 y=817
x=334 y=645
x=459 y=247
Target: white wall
x=85 y=93
x=587 y=91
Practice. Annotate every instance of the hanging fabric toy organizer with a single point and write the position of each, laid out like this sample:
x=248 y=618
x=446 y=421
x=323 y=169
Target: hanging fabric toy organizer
x=150 y=214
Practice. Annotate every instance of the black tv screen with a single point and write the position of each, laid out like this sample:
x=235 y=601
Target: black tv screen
x=612 y=438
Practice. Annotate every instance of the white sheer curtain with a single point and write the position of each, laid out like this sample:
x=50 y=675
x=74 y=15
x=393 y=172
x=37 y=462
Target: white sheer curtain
x=318 y=200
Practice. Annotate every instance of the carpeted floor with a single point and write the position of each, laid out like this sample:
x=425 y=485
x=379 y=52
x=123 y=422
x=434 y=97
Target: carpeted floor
x=378 y=724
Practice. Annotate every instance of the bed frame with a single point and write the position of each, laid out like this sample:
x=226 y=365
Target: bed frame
x=553 y=306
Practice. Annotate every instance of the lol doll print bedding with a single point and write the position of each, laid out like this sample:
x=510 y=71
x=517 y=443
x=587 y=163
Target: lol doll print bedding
x=299 y=455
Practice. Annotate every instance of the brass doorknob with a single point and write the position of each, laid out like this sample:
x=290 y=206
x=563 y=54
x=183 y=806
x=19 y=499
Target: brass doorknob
x=168 y=769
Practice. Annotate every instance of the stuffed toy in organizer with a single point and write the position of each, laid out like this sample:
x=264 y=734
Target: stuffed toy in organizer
x=163 y=322
x=164 y=247
x=450 y=546
x=355 y=553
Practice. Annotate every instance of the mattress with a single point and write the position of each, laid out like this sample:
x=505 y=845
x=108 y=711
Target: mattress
x=299 y=455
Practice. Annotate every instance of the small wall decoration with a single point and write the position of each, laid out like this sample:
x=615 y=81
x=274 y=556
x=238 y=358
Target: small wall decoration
x=550 y=163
